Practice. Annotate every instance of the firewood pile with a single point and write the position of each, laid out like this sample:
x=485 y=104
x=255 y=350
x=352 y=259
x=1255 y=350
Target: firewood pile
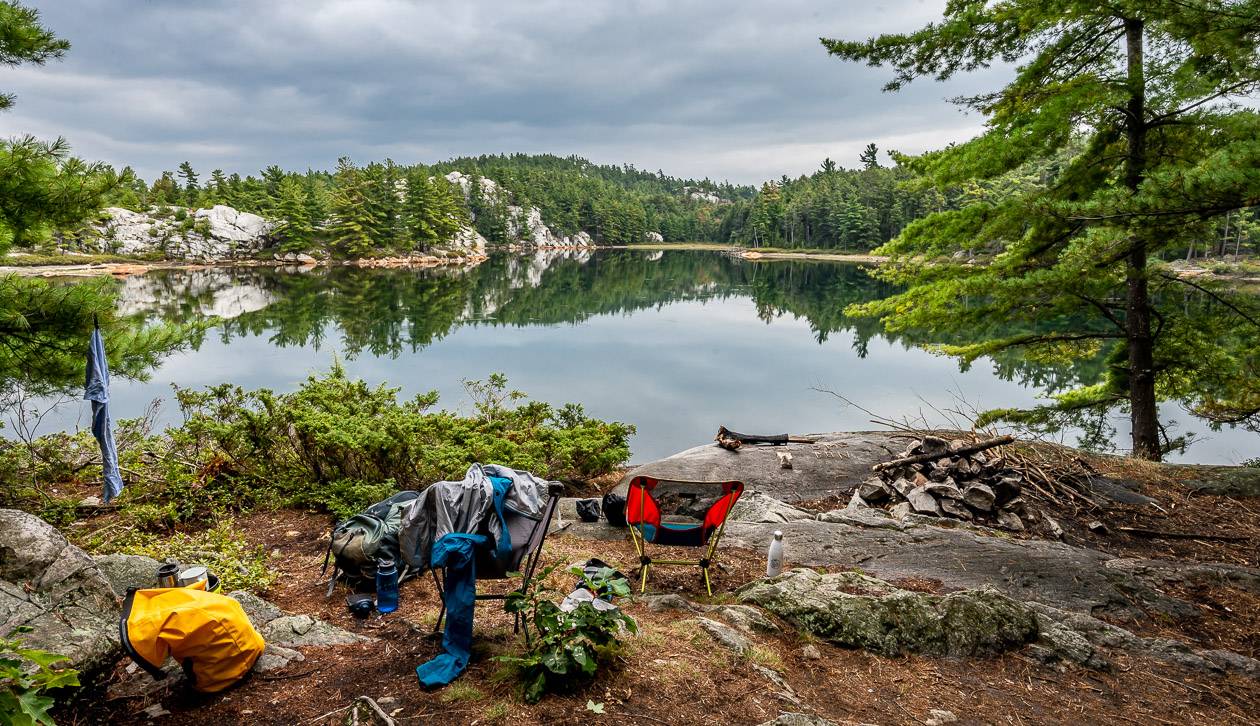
x=955 y=479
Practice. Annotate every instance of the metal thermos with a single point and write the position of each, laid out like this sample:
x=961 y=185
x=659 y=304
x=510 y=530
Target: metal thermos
x=774 y=558
x=168 y=576
x=193 y=575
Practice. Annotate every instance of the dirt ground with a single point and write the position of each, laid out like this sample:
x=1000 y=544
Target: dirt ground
x=674 y=673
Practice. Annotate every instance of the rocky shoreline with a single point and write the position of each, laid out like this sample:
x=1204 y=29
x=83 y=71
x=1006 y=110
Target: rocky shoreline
x=140 y=267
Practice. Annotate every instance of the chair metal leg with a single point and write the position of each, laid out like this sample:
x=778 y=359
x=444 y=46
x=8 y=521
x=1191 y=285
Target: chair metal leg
x=643 y=584
x=437 y=625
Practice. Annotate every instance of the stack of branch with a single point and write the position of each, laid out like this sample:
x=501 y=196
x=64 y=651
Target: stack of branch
x=985 y=481
x=955 y=479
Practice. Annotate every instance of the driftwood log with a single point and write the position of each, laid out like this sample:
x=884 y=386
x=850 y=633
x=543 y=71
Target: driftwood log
x=933 y=455
x=732 y=440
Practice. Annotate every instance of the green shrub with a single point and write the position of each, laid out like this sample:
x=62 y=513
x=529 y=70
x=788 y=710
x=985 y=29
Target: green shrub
x=26 y=674
x=569 y=647
x=335 y=445
x=239 y=564
x=339 y=444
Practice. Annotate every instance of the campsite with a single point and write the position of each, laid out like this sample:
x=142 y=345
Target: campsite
x=391 y=362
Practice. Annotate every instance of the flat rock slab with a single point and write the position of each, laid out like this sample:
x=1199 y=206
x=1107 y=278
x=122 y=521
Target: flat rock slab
x=1236 y=481
x=854 y=610
x=302 y=630
x=1054 y=573
x=833 y=466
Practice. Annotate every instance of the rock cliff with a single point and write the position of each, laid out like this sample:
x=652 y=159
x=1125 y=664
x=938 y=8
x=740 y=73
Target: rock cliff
x=219 y=232
x=525 y=224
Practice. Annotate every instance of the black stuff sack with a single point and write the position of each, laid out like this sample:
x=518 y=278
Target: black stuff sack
x=588 y=510
x=615 y=509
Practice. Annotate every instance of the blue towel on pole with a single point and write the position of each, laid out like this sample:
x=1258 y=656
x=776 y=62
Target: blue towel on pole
x=454 y=552
x=96 y=390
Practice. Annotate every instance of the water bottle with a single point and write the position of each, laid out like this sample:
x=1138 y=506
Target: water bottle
x=386 y=585
x=774 y=560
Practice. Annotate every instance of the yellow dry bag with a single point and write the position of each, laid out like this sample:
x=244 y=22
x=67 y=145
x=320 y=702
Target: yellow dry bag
x=208 y=633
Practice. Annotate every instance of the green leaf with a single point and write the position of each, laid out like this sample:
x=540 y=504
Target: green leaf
x=35 y=707
x=594 y=707
x=583 y=658
x=534 y=691
x=556 y=661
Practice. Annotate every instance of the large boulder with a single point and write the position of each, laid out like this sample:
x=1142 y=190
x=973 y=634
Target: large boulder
x=855 y=610
x=56 y=589
x=833 y=466
x=125 y=572
x=226 y=223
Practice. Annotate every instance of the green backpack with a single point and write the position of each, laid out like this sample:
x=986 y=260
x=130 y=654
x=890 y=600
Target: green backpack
x=356 y=543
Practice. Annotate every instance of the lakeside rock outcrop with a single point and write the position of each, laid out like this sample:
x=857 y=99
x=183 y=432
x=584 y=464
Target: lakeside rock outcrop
x=222 y=233
x=986 y=590
x=219 y=232
x=524 y=224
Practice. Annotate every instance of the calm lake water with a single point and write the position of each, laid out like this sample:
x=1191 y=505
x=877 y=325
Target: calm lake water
x=676 y=343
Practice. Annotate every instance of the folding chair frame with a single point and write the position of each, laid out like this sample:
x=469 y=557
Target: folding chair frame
x=527 y=571
x=646 y=561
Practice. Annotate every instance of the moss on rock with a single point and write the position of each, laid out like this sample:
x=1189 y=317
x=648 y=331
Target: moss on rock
x=855 y=610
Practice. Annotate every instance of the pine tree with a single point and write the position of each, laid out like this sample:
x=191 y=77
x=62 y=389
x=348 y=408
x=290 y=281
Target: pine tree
x=43 y=189
x=489 y=212
x=351 y=226
x=869 y=156
x=165 y=190
x=295 y=230
x=24 y=40
x=1136 y=99
x=448 y=215
x=217 y=189
x=417 y=214
x=191 y=190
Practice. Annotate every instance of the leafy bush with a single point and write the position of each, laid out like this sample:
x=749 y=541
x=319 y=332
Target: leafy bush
x=569 y=647
x=25 y=675
x=335 y=444
x=340 y=444
x=239 y=564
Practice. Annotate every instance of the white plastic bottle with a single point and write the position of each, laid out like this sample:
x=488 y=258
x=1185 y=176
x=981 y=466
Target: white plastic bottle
x=774 y=560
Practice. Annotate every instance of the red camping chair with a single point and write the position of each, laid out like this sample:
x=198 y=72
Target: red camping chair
x=644 y=511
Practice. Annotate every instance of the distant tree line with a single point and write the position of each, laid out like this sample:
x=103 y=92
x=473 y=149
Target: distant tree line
x=384 y=207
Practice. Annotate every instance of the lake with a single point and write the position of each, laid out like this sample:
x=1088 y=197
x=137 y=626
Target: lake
x=676 y=343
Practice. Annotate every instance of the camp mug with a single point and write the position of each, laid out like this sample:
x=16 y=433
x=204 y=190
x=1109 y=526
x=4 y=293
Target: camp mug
x=167 y=575
x=193 y=575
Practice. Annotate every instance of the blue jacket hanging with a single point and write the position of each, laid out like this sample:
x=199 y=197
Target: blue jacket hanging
x=96 y=390
x=455 y=552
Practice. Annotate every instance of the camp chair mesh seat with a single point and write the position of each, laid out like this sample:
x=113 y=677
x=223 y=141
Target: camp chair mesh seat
x=527 y=535
x=644 y=516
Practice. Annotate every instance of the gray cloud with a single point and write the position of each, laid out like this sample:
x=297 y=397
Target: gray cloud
x=724 y=89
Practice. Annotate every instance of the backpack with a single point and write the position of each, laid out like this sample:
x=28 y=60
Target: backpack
x=357 y=542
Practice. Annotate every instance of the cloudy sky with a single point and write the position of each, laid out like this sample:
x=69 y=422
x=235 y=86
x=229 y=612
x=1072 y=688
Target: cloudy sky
x=719 y=88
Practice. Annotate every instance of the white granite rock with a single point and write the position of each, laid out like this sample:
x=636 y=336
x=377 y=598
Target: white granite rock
x=216 y=233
